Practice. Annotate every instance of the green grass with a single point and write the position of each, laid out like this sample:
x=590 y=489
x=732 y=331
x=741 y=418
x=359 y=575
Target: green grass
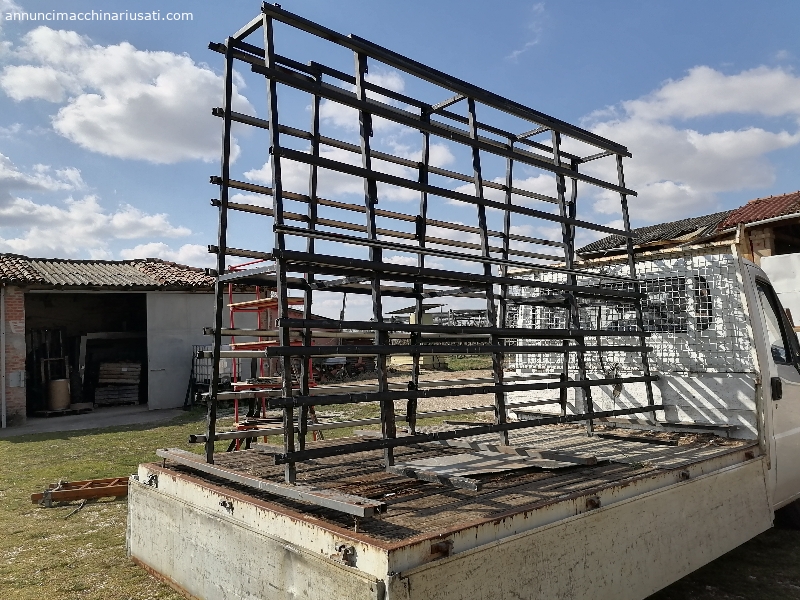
x=468 y=362
x=46 y=554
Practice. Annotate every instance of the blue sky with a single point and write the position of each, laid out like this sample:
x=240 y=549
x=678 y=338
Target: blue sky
x=107 y=140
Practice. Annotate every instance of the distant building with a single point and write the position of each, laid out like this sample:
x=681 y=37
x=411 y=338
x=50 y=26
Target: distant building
x=67 y=319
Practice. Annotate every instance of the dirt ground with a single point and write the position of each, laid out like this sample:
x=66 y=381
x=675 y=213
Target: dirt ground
x=446 y=403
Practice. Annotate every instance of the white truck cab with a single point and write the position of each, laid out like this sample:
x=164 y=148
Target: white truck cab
x=779 y=364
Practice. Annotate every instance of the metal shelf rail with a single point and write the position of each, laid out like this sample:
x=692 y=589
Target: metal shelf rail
x=489 y=268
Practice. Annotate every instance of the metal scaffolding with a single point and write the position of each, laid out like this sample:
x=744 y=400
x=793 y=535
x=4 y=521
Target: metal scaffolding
x=313 y=254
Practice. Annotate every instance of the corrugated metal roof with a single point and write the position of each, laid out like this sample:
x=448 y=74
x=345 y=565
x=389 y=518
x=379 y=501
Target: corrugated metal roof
x=764 y=208
x=148 y=273
x=685 y=229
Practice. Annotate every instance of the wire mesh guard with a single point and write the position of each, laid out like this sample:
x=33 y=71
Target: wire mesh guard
x=693 y=312
x=496 y=231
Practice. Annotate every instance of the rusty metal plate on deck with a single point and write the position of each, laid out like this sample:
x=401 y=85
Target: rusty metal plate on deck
x=481 y=463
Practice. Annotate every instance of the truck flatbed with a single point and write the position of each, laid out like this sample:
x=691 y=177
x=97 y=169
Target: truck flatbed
x=641 y=502
x=418 y=508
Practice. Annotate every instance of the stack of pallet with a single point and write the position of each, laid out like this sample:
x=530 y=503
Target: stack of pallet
x=118 y=383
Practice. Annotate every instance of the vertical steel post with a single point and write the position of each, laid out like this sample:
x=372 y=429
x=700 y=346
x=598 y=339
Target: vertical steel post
x=309 y=277
x=502 y=301
x=388 y=428
x=280 y=244
x=637 y=288
x=411 y=404
x=491 y=313
x=571 y=212
x=568 y=210
x=222 y=233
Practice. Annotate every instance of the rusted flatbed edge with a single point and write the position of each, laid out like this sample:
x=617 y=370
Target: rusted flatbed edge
x=445 y=532
x=327 y=498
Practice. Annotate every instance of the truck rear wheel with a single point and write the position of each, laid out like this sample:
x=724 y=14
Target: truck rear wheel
x=789 y=516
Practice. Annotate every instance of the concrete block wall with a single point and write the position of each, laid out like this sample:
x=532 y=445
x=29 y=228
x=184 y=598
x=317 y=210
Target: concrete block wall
x=15 y=355
x=762 y=241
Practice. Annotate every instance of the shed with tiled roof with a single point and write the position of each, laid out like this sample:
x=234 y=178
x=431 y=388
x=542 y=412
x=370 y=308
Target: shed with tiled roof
x=140 y=274
x=71 y=320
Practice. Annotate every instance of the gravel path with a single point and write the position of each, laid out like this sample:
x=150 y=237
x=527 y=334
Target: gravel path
x=431 y=404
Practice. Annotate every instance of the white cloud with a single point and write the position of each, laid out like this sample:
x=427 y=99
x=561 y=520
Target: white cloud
x=11 y=131
x=121 y=101
x=194 y=255
x=74 y=226
x=704 y=92
x=42 y=179
x=409 y=261
x=680 y=171
x=535 y=29
x=6 y=7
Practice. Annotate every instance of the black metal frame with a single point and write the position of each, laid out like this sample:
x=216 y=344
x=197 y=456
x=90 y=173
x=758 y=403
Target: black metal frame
x=498 y=271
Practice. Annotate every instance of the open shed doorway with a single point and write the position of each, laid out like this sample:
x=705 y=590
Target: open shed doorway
x=85 y=350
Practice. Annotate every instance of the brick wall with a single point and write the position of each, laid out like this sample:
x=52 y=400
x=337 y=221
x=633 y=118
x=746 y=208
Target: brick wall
x=15 y=355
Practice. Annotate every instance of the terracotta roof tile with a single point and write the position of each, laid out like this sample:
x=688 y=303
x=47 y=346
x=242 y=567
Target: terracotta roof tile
x=170 y=273
x=764 y=208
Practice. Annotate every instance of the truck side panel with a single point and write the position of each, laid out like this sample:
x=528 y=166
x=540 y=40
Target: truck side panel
x=212 y=558
x=626 y=551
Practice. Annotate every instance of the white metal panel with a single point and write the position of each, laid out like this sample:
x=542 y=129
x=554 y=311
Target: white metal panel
x=625 y=551
x=709 y=398
x=175 y=322
x=721 y=399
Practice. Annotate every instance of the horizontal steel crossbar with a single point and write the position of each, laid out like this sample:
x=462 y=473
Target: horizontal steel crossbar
x=444 y=349
x=335 y=165
x=408 y=119
x=422 y=438
x=397 y=247
x=299 y=133
x=303 y=261
x=261 y=210
x=360 y=398
x=457 y=86
x=450 y=412
x=506 y=332
x=315 y=69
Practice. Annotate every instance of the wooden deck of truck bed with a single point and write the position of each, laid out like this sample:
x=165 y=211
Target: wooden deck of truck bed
x=417 y=509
